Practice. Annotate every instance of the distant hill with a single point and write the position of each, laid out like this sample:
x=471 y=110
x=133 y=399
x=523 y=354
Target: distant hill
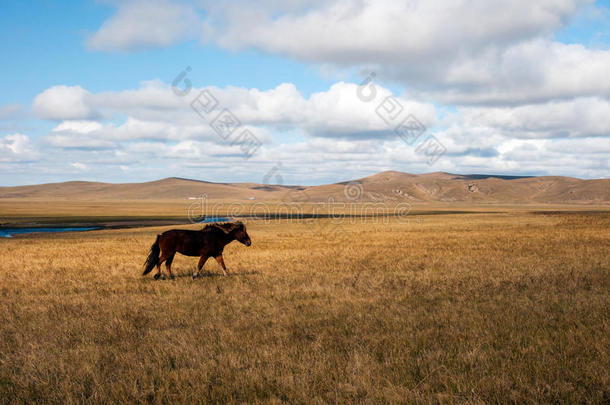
x=170 y=188
x=447 y=187
x=384 y=186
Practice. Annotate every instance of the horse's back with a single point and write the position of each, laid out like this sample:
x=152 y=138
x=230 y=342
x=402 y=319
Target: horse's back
x=183 y=241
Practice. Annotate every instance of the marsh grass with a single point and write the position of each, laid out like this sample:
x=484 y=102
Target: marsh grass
x=454 y=308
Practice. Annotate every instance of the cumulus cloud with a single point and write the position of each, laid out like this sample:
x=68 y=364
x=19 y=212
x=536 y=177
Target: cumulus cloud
x=529 y=72
x=315 y=160
x=154 y=111
x=70 y=141
x=337 y=112
x=63 y=102
x=16 y=148
x=464 y=52
x=455 y=52
x=79 y=134
x=581 y=117
x=79 y=166
x=139 y=25
x=76 y=126
x=329 y=130
x=361 y=31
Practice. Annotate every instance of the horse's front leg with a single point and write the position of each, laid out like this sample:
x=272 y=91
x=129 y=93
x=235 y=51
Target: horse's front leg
x=221 y=261
x=202 y=260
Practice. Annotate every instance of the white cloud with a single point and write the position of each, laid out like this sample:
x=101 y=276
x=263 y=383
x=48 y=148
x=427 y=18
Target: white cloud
x=583 y=147
x=485 y=149
x=79 y=166
x=362 y=31
x=581 y=117
x=77 y=141
x=78 y=126
x=16 y=148
x=140 y=24
x=314 y=160
x=464 y=52
x=63 y=103
x=337 y=112
x=450 y=51
x=328 y=132
x=80 y=134
x=534 y=71
x=154 y=112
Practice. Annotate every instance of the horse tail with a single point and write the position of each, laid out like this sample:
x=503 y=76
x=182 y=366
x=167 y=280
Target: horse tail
x=153 y=257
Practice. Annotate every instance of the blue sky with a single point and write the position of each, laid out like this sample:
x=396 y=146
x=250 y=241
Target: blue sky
x=87 y=89
x=46 y=43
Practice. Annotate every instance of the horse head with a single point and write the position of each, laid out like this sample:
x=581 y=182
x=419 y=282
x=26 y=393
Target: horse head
x=238 y=231
x=241 y=235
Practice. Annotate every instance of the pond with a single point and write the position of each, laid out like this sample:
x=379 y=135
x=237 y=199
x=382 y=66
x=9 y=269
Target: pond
x=214 y=219
x=8 y=232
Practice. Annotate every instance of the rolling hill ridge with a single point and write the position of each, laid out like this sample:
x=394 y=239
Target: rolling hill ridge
x=384 y=186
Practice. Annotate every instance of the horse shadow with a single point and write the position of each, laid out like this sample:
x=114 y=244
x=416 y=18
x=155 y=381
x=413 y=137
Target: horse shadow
x=204 y=275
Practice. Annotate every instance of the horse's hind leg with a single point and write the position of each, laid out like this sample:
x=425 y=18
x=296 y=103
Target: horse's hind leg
x=168 y=265
x=164 y=257
x=158 y=275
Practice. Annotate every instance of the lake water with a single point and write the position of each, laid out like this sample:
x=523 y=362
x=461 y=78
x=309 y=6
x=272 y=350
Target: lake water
x=214 y=219
x=8 y=232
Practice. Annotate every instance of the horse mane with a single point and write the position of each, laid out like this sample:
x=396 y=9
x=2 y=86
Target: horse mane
x=226 y=227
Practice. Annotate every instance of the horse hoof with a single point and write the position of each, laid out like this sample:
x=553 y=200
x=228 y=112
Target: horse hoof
x=157 y=276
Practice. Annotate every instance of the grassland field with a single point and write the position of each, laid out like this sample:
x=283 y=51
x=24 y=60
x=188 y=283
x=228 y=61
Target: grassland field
x=493 y=306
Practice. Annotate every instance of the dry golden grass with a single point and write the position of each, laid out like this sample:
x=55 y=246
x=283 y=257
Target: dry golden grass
x=61 y=210
x=470 y=308
x=24 y=209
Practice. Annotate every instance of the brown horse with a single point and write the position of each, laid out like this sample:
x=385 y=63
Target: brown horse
x=205 y=243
